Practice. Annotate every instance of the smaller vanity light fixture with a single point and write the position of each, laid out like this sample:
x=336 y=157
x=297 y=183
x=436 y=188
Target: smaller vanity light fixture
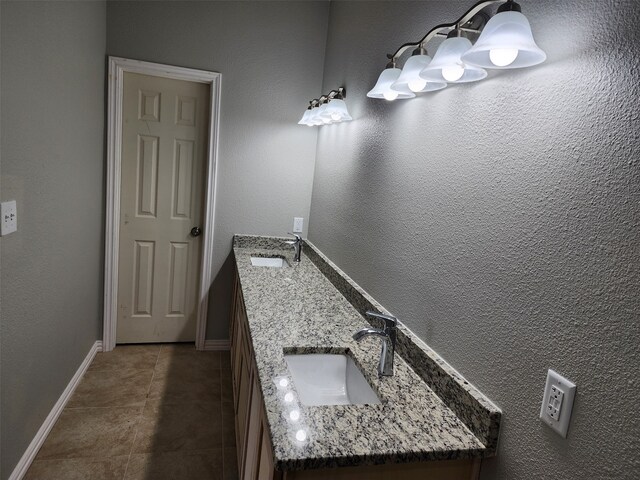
x=321 y=114
x=327 y=109
x=505 y=41
x=310 y=117
x=306 y=117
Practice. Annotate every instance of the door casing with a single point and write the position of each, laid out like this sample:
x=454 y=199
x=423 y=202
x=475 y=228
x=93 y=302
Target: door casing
x=117 y=68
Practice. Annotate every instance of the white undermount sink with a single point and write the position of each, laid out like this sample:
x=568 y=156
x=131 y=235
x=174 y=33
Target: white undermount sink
x=274 y=262
x=329 y=379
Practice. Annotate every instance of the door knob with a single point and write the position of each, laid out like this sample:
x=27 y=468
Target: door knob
x=196 y=231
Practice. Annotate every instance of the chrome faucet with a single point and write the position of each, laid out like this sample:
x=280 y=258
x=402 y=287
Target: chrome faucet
x=297 y=246
x=388 y=336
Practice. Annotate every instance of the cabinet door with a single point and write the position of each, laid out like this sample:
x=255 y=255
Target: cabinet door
x=266 y=469
x=234 y=306
x=236 y=352
x=242 y=407
x=238 y=348
x=254 y=434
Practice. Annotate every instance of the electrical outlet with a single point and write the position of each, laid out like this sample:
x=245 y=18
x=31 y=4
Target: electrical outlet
x=8 y=217
x=557 y=402
x=298 y=223
x=554 y=402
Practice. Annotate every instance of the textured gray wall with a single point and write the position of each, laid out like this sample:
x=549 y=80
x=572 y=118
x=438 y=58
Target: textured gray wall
x=500 y=220
x=52 y=152
x=271 y=56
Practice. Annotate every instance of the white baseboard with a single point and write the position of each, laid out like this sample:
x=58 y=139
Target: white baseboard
x=32 y=450
x=216 y=345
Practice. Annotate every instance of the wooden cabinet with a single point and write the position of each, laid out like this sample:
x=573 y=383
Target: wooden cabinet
x=255 y=454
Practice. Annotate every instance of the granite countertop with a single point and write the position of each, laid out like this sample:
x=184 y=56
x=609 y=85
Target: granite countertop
x=299 y=310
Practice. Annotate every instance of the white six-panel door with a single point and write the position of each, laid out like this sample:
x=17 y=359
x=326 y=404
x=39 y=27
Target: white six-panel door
x=164 y=144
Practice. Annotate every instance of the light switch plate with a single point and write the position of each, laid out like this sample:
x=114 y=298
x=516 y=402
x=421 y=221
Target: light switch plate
x=557 y=402
x=298 y=223
x=8 y=217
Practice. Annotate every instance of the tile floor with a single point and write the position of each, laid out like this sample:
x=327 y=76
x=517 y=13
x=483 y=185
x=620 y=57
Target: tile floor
x=145 y=412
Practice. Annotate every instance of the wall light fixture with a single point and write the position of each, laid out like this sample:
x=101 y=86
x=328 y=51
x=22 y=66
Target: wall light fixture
x=447 y=65
x=327 y=109
x=410 y=77
x=505 y=41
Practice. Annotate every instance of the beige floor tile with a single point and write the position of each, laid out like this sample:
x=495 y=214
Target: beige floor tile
x=92 y=432
x=226 y=386
x=112 y=388
x=183 y=358
x=228 y=424
x=177 y=349
x=183 y=431
x=181 y=384
x=225 y=359
x=230 y=471
x=78 y=469
x=166 y=428
x=198 y=465
x=139 y=357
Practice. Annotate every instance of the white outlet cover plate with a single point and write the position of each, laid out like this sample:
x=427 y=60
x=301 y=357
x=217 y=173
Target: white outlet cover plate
x=563 y=415
x=8 y=217
x=298 y=223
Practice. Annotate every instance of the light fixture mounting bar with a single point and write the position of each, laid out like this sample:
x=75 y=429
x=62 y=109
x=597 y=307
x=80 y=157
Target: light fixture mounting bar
x=339 y=93
x=327 y=109
x=438 y=30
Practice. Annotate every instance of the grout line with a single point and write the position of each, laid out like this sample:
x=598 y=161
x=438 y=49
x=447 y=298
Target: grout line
x=105 y=407
x=146 y=400
x=135 y=435
x=222 y=423
x=154 y=373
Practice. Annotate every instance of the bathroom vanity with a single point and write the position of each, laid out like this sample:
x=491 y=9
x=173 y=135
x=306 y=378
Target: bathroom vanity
x=425 y=421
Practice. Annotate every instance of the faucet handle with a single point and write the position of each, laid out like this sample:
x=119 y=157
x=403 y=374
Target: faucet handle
x=390 y=322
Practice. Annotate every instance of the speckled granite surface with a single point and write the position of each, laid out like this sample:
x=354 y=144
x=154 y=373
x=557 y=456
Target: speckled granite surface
x=305 y=309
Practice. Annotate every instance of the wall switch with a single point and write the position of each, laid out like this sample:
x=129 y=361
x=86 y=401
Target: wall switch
x=8 y=217
x=298 y=223
x=557 y=402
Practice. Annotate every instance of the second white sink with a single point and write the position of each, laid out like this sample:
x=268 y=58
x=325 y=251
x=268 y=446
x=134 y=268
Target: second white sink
x=329 y=379
x=274 y=262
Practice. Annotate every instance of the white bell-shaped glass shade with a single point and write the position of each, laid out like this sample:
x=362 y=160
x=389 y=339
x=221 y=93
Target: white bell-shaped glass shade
x=337 y=111
x=410 y=76
x=447 y=65
x=505 y=42
x=323 y=118
x=314 y=119
x=305 y=118
x=383 y=89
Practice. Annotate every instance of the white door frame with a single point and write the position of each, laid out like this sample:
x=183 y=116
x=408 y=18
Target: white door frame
x=117 y=68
